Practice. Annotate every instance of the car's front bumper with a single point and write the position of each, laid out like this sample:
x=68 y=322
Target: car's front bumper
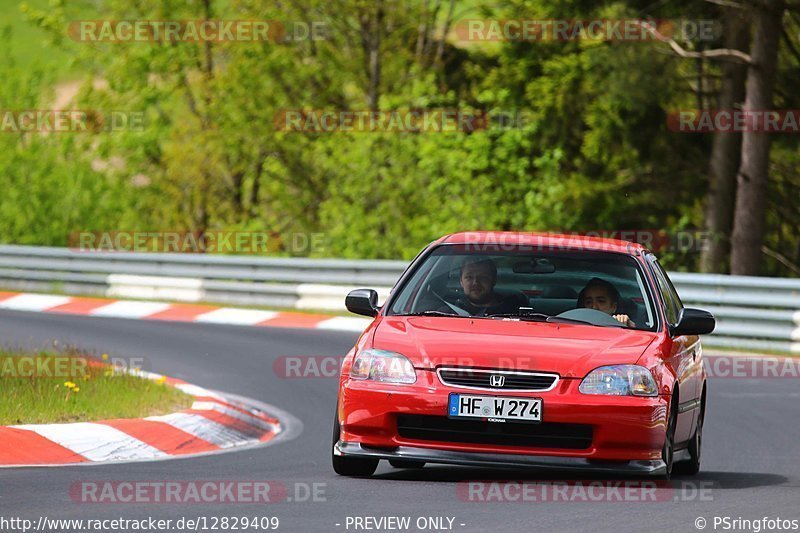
x=499 y=460
x=624 y=430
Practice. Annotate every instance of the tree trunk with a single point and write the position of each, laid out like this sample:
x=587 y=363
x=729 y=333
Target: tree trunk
x=748 y=227
x=371 y=29
x=724 y=160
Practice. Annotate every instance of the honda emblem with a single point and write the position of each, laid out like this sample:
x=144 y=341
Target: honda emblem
x=496 y=380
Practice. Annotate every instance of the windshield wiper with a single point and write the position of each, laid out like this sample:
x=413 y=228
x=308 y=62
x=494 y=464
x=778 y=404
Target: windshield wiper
x=430 y=312
x=541 y=317
x=532 y=317
x=576 y=321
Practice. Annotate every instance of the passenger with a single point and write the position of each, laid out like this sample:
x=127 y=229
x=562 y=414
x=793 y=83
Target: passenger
x=601 y=295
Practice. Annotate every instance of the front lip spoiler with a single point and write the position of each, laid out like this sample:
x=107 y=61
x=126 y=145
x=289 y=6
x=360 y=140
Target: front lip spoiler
x=499 y=460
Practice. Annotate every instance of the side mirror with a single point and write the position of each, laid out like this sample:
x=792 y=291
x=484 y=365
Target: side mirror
x=694 y=322
x=362 y=302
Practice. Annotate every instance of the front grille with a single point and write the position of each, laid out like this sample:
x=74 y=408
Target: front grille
x=544 y=435
x=487 y=379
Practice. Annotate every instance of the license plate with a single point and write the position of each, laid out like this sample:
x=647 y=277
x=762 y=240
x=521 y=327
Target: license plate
x=495 y=408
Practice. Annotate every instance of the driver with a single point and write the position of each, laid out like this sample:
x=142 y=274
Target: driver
x=478 y=278
x=601 y=295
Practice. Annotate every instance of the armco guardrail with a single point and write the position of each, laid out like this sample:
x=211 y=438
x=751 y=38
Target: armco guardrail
x=752 y=312
x=242 y=280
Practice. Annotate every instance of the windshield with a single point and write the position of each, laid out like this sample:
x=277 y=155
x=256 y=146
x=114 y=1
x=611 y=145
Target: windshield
x=597 y=288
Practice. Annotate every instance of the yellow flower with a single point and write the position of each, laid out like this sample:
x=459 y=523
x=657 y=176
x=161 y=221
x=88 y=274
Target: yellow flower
x=77 y=389
x=86 y=377
x=69 y=384
x=105 y=357
x=162 y=379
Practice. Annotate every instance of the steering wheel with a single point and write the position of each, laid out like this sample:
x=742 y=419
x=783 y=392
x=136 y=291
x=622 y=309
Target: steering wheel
x=456 y=309
x=593 y=316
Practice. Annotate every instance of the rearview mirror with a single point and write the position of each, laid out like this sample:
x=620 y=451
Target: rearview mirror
x=534 y=266
x=694 y=322
x=362 y=302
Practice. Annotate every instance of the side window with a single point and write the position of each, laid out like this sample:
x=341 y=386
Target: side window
x=671 y=303
x=671 y=287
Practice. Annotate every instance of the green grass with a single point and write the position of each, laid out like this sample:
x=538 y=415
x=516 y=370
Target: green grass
x=49 y=387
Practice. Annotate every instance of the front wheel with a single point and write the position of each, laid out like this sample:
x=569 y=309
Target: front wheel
x=692 y=466
x=350 y=466
x=668 y=451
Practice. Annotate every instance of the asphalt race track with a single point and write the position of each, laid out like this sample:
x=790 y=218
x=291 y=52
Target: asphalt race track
x=751 y=455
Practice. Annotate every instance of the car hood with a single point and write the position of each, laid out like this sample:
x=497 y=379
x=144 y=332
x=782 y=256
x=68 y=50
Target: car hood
x=571 y=350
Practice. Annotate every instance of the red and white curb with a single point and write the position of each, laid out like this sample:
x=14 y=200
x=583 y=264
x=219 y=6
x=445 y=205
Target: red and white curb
x=213 y=424
x=177 y=312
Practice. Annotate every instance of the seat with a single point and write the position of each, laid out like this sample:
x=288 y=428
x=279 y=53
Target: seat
x=518 y=297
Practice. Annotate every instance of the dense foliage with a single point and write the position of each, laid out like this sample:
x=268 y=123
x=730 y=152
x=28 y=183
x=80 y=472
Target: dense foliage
x=592 y=151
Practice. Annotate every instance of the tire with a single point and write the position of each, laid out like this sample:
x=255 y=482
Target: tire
x=406 y=463
x=350 y=466
x=692 y=466
x=668 y=451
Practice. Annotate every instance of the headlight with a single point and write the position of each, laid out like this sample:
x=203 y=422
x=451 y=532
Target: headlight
x=382 y=365
x=620 y=380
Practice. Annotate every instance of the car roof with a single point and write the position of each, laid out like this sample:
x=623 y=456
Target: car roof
x=545 y=240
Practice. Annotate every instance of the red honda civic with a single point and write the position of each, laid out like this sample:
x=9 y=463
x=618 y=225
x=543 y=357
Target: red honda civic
x=506 y=349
